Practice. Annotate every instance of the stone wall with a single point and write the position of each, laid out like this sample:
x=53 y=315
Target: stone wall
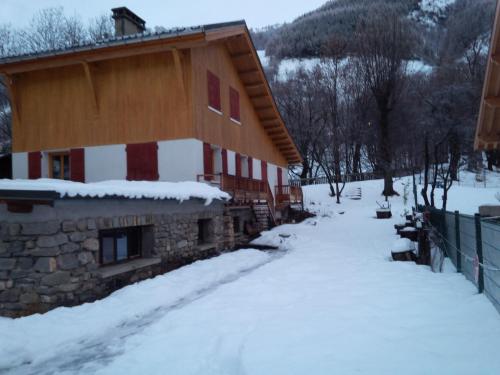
x=238 y=237
x=55 y=262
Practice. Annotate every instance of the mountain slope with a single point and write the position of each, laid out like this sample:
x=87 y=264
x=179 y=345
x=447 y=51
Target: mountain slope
x=308 y=35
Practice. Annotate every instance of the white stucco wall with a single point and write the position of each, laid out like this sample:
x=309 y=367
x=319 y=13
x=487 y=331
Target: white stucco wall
x=257 y=171
x=217 y=155
x=45 y=164
x=180 y=160
x=272 y=176
x=105 y=163
x=231 y=163
x=20 y=165
x=285 y=176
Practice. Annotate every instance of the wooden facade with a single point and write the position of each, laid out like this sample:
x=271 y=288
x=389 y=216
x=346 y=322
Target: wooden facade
x=145 y=91
x=488 y=127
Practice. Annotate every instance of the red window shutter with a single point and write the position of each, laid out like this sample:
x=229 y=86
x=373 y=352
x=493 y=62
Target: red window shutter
x=234 y=101
x=77 y=164
x=263 y=170
x=213 y=91
x=238 y=164
x=224 y=161
x=280 y=177
x=208 y=159
x=142 y=162
x=250 y=167
x=34 y=165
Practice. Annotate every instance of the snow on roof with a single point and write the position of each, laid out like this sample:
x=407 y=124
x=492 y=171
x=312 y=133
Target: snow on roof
x=120 y=188
x=145 y=36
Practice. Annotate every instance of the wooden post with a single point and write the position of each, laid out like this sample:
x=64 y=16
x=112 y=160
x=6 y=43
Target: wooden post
x=415 y=191
x=457 y=241
x=479 y=249
x=179 y=71
x=91 y=86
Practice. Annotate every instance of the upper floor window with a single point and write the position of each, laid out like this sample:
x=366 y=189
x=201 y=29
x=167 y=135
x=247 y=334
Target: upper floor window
x=234 y=101
x=213 y=83
x=59 y=165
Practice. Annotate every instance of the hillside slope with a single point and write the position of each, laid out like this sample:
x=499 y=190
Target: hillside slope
x=308 y=35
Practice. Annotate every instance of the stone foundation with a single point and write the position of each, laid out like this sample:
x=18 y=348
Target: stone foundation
x=50 y=257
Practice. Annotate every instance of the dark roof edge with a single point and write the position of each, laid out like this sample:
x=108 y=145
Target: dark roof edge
x=39 y=195
x=50 y=196
x=121 y=40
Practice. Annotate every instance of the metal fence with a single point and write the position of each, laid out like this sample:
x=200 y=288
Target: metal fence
x=352 y=177
x=473 y=245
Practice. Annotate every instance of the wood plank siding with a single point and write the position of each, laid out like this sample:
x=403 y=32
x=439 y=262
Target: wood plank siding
x=247 y=138
x=488 y=126
x=149 y=89
x=139 y=99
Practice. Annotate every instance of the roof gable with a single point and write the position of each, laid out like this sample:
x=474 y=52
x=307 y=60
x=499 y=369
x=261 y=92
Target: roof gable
x=488 y=127
x=234 y=34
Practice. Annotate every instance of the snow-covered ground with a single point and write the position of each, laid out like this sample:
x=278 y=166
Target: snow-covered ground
x=287 y=67
x=468 y=194
x=330 y=301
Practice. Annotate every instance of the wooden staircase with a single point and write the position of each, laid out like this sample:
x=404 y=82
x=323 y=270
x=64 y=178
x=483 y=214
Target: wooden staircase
x=263 y=214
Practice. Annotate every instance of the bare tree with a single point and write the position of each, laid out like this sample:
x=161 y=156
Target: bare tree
x=331 y=86
x=384 y=43
x=297 y=98
x=100 y=28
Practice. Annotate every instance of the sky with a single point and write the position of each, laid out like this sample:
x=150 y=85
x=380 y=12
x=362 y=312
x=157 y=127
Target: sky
x=168 y=13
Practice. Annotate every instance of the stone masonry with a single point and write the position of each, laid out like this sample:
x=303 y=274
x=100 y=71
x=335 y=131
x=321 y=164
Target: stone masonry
x=55 y=262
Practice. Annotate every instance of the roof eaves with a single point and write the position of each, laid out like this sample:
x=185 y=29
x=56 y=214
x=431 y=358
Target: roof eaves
x=122 y=40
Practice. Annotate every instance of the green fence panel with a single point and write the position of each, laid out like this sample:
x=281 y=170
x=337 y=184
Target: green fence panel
x=491 y=258
x=468 y=247
x=450 y=235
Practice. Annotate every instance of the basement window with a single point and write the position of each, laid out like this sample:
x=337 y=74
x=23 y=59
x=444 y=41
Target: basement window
x=119 y=245
x=204 y=236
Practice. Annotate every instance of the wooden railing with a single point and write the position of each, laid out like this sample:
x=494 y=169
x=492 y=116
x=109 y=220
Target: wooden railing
x=242 y=189
x=246 y=190
x=288 y=194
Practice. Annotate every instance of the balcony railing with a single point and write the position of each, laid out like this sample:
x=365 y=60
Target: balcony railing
x=246 y=190
x=242 y=189
x=288 y=194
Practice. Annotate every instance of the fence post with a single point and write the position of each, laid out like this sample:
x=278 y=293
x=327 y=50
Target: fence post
x=479 y=249
x=457 y=241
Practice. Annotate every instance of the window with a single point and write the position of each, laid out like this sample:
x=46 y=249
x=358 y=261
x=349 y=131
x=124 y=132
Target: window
x=59 y=165
x=213 y=83
x=234 y=101
x=118 y=245
x=204 y=236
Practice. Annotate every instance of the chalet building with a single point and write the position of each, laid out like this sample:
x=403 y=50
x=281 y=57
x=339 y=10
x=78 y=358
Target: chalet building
x=136 y=118
x=180 y=105
x=488 y=127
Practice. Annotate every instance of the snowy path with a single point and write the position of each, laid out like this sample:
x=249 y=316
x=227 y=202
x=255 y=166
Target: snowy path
x=100 y=350
x=334 y=304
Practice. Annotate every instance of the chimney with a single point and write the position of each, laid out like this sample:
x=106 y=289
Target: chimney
x=127 y=22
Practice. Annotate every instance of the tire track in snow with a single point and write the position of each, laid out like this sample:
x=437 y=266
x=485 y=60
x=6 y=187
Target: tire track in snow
x=87 y=356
